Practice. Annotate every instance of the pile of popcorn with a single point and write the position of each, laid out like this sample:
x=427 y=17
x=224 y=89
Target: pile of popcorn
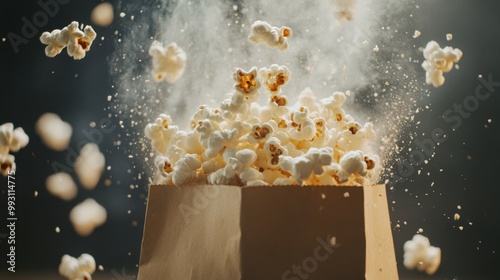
x=313 y=142
x=11 y=140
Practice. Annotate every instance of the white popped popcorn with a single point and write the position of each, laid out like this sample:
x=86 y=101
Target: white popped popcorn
x=77 y=269
x=161 y=133
x=303 y=127
x=55 y=133
x=354 y=162
x=438 y=61
x=274 y=77
x=262 y=32
x=168 y=62
x=12 y=140
x=7 y=164
x=76 y=41
x=185 y=170
x=61 y=185
x=302 y=167
x=87 y=216
x=89 y=165
x=247 y=83
x=421 y=255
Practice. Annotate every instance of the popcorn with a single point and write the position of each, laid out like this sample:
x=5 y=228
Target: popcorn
x=214 y=140
x=247 y=83
x=76 y=269
x=302 y=167
x=168 y=62
x=89 y=165
x=102 y=14
x=61 y=185
x=12 y=139
x=354 y=162
x=165 y=167
x=7 y=164
x=55 y=133
x=87 y=216
x=439 y=61
x=205 y=112
x=421 y=255
x=275 y=109
x=161 y=132
x=260 y=133
x=274 y=150
x=185 y=170
x=355 y=136
x=78 y=42
x=332 y=106
x=303 y=128
x=262 y=32
x=274 y=77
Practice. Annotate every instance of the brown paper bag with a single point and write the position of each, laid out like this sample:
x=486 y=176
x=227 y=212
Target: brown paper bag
x=258 y=233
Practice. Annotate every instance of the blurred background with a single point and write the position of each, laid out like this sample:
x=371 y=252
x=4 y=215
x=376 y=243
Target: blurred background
x=460 y=178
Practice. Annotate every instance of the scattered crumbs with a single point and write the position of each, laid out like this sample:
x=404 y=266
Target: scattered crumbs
x=58 y=230
x=432 y=184
x=456 y=217
x=107 y=182
x=235 y=8
x=365 y=43
x=92 y=124
x=489 y=120
x=459 y=207
x=346 y=194
x=122 y=14
x=36 y=194
x=3 y=39
x=333 y=241
x=323 y=196
x=134 y=223
x=461 y=227
x=449 y=36
x=109 y=98
x=101 y=268
x=416 y=34
x=376 y=49
x=420 y=230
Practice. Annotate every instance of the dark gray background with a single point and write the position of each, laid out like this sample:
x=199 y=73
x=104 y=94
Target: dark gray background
x=32 y=84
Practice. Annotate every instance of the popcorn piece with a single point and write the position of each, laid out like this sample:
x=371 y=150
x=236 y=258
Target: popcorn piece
x=274 y=77
x=223 y=176
x=274 y=150
x=260 y=133
x=344 y=9
x=416 y=34
x=235 y=105
x=205 y=112
x=87 y=216
x=354 y=162
x=55 y=133
x=102 y=14
x=439 y=61
x=449 y=37
x=247 y=83
x=355 y=136
x=7 y=164
x=332 y=106
x=168 y=62
x=303 y=166
x=161 y=132
x=262 y=32
x=61 y=185
x=78 y=42
x=215 y=140
x=421 y=255
x=308 y=99
x=303 y=128
x=185 y=170
x=89 y=165
x=12 y=139
x=77 y=269
x=276 y=108
x=164 y=167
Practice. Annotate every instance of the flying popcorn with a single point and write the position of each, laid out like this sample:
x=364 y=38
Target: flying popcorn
x=76 y=41
x=439 y=61
x=89 y=165
x=168 y=62
x=61 y=185
x=354 y=162
x=161 y=132
x=87 y=216
x=11 y=140
x=262 y=32
x=55 y=133
x=102 y=14
x=344 y=9
x=421 y=255
x=274 y=77
x=77 y=269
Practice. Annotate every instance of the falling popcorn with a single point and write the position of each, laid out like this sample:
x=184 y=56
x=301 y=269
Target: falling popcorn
x=55 y=133
x=439 y=61
x=77 y=269
x=421 y=255
x=89 y=165
x=87 y=216
x=274 y=77
x=76 y=41
x=102 y=14
x=168 y=62
x=262 y=32
x=11 y=140
x=61 y=185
